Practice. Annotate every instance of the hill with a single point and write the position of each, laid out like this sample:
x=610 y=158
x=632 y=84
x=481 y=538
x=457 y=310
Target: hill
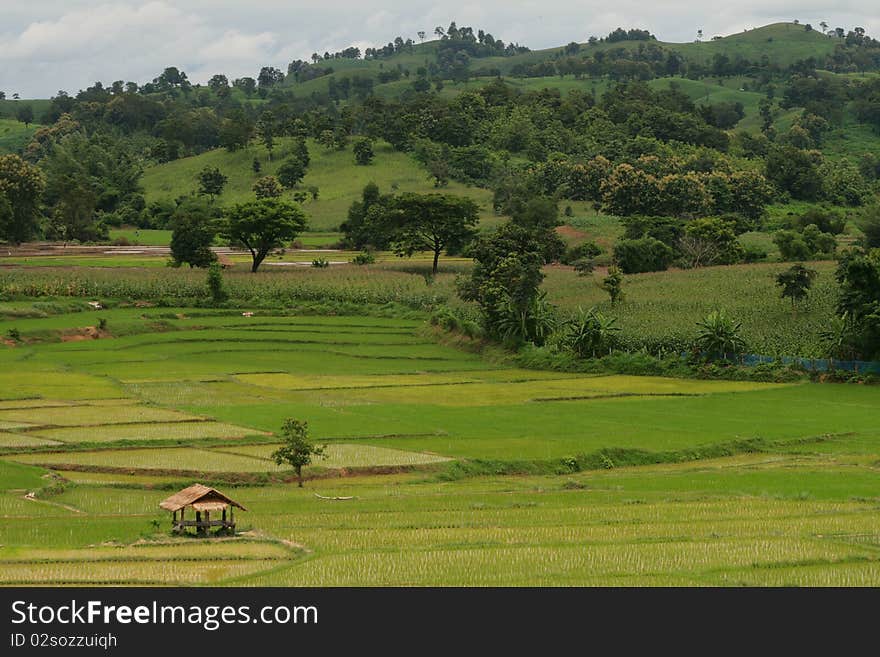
x=334 y=173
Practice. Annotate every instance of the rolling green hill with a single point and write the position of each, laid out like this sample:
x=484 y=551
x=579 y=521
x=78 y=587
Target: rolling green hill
x=338 y=179
x=782 y=43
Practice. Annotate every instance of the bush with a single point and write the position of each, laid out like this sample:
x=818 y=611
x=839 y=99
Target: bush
x=215 y=283
x=642 y=255
x=364 y=258
x=586 y=250
x=320 y=263
x=827 y=221
x=584 y=266
x=808 y=244
x=754 y=253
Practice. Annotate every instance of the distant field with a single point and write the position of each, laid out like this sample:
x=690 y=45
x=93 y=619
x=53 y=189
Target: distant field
x=391 y=170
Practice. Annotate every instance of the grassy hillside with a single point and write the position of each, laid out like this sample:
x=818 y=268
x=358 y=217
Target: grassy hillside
x=8 y=108
x=335 y=174
x=783 y=43
x=14 y=135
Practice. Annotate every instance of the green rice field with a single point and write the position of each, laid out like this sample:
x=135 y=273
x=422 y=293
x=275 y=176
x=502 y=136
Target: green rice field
x=443 y=467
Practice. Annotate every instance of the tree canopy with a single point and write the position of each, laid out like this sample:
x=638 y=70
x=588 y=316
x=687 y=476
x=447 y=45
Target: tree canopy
x=263 y=225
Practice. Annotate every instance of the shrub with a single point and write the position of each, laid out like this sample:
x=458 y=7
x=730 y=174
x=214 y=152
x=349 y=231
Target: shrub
x=581 y=251
x=719 y=335
x=320 y=263
x=215 y=283
x=583 y=266
x=589 y=334
x=364 y=258
x=642 y=255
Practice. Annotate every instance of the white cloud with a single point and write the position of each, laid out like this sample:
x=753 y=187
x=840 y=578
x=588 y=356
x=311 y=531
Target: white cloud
x=68 y=44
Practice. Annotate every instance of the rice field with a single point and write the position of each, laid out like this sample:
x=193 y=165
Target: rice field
x=443 y=467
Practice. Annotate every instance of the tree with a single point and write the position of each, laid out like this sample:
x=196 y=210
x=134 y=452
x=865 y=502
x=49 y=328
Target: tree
x=431 y=222
x=858 y=300
x=719 y=335
x=870 y=225
x=297 y=450
x=796 y=282
x=363 y=151
x=193 y=230
x=268 y=187
x=710 y=241
x=211 y=182
x=21 y=186
x=263 y=225
x=613 y=284
x=506 y=278
x=357 y=229
x=266 y=128
x=291 y=172
x=25 y=114
x=301 y=151
x=218 y=82
x=236 y=131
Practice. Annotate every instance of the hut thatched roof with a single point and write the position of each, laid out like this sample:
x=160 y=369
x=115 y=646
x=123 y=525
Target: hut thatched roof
x=199 y=495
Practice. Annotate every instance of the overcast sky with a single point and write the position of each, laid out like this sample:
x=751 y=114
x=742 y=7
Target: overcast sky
x=47 y=45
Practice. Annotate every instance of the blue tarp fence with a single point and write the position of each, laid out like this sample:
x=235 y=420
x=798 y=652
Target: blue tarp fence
x=814 y=364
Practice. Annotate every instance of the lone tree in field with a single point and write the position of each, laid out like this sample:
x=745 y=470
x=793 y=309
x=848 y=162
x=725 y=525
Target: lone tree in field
x=298 y=449
x=796 y=282
x=211 y=182
x=263 y=225
x=431 y=222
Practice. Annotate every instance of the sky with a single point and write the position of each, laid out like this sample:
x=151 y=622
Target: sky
x=49 y=45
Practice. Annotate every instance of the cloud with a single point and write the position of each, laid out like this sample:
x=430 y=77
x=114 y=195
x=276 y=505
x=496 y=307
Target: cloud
x=68 y=44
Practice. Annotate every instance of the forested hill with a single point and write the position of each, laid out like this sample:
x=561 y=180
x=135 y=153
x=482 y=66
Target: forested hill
x=622 y=121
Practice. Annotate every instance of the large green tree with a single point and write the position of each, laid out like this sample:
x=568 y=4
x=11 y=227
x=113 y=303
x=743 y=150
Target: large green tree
x=431 y=222
x=263 y=225
x=21 y=185
x=505 y=282
x=194 y=226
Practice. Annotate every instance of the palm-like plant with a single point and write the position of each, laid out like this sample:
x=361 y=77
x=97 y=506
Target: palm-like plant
x=837 y=337
x=533 y=321
x=719 y=335
x=590 y=333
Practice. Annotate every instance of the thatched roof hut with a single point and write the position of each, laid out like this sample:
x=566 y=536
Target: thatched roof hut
x=204 y=501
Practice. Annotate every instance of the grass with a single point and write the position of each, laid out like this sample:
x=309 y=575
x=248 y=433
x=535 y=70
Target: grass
x=391 y=170
x=686 y=482
x=14 y=135
x=664 y=307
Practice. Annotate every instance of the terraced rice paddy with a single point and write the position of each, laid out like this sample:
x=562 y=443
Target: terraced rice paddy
x=459 y=470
